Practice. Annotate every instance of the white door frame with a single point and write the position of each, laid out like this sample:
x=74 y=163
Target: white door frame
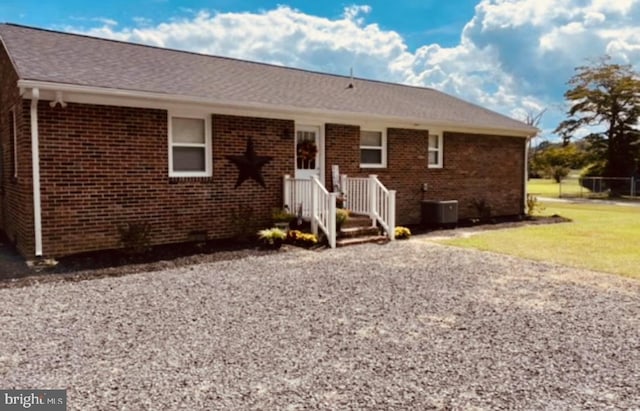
x=319 y=129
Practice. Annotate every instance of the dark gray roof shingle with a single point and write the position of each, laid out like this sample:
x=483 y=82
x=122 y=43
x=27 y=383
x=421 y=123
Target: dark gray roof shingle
x=50 y=56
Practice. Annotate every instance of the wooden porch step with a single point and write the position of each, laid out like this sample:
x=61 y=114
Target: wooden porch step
x=378 y=239
x=361 y=231
x=357 y=220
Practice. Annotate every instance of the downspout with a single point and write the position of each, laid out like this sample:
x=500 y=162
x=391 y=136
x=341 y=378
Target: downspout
x=35 y=165
x=526 y=172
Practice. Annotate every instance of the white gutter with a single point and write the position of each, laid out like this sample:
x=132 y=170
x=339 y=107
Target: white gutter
x=58 y=100
x=283 y=109
x=526 y=171
x=35 y=164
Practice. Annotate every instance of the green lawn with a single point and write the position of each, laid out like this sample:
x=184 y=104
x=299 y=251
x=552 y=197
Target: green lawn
x=601 y=237
x=541 y=187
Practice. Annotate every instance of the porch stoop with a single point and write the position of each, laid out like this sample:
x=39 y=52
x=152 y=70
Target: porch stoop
x=359 y=229
x=367 y=198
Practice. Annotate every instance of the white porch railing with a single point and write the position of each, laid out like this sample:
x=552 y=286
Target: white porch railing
x=356 y=192
x=323 y=211
x=369 y=196
x=297 y=194
x=363 y=196
x=317 y=204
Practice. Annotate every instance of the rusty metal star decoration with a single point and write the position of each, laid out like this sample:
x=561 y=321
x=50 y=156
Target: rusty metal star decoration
x=249 y=165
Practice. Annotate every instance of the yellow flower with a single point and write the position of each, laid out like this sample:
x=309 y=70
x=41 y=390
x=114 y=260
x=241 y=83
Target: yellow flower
x=402 y=233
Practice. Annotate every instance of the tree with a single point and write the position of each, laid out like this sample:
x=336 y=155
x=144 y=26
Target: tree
x=555 y=161
x=534 y=121
x=607 y=96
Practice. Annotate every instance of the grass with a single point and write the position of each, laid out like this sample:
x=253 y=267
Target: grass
x=541 y=187
x=601 y=237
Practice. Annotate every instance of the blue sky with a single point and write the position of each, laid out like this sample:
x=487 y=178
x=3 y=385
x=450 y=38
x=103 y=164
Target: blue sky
x=419 y=21
x=512 y=56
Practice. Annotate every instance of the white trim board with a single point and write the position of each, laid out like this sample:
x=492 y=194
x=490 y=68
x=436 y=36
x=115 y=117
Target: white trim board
x=143 y=99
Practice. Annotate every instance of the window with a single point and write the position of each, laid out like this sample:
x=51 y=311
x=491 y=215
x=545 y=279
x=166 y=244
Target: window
x=435 y=150
x=13 y=141
x=373 y=147
x=189 y=147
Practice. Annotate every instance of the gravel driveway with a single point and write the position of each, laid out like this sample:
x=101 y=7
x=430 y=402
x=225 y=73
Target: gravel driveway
x=408 y=325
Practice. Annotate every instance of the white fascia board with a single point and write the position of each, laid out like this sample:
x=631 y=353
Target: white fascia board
x=132 y=98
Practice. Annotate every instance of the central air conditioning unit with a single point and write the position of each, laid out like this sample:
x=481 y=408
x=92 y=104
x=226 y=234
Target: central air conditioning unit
x=439 y=212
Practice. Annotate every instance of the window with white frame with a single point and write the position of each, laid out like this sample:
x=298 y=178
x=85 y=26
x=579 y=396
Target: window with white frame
x=189 y=146
x=373 y=149
x=435 y=150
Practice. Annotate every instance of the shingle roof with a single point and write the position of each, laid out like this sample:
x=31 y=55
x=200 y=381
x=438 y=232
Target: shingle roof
x=50 y=56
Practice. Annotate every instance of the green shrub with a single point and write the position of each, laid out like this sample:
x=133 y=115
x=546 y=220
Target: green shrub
x=533 y=205
x=557 y=173
x=594 y=169
x=135 y=237
x=245 y=222
x=282 y=215
x=482 y=207
x=272 y=236
x=342 y=215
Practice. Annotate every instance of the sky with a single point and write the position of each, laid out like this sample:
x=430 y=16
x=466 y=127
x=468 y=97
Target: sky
x=511 y=56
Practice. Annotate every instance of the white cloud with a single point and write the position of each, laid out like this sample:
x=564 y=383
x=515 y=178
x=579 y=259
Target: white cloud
x=141 y=21
x=621 y=7
x=280 y=36
x=514 y=55
x=355 y=12
x=593 y=18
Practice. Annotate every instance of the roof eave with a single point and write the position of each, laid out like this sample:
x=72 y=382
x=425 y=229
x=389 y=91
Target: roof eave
x=283 y=109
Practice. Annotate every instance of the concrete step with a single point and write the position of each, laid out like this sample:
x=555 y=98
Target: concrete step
x=350 y=232
x=378 y=239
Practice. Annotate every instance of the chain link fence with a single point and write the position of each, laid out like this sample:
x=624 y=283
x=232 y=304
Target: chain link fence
x=599 y=187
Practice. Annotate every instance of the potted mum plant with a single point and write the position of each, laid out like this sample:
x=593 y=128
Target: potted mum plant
x=342 y=215
x=272 y=237
x=282 y=218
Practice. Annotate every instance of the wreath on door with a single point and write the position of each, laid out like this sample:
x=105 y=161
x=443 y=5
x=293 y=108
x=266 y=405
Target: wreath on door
x=307 y=150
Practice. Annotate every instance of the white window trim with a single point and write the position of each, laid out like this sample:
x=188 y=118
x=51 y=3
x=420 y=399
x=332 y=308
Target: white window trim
x=207 y=144
x=383 y=133
x=15 y=142
x=440 y=149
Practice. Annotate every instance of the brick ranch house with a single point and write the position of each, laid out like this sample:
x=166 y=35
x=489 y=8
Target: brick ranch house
x=96 y=134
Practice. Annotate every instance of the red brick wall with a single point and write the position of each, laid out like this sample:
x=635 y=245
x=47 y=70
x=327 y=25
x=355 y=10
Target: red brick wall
x=16 y=198
x=103 y=167
x=342 y=148
x=478 y=167
x=475 y=167
x=406 y=171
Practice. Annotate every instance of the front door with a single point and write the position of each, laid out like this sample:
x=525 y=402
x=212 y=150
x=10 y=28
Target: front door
x=308 y=155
